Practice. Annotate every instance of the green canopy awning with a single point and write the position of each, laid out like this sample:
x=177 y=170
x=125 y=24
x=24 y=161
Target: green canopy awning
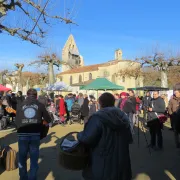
x=102 y=84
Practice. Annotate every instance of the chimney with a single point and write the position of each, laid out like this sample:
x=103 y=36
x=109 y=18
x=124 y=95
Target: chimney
x=118 y=54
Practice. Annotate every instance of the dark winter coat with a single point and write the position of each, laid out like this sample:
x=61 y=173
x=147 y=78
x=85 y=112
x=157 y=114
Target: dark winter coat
x=9 y=101
x=158 y=106
x=133 y=100
x=14 y=102
x=43 y=100
x=176 y=120
x=146 y=102
x=128 y=107
x=108 y=134
x=85 y=108
x=19 y=100
x=29 y=116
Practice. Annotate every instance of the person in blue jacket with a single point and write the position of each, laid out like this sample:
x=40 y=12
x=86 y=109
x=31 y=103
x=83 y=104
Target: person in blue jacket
x=108 y=135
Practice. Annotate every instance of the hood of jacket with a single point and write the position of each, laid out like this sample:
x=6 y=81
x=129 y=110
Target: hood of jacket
x=30 y=100
x=113 y=117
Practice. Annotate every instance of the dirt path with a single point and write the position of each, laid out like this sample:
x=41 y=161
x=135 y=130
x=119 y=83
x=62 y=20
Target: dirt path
x=159 y=166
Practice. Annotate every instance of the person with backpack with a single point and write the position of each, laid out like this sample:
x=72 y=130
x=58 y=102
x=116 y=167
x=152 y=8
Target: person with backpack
x=29 y=122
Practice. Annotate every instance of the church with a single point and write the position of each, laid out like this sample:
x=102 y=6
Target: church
x=76 y=74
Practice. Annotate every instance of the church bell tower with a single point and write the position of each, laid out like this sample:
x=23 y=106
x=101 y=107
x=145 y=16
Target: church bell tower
x=118 y=54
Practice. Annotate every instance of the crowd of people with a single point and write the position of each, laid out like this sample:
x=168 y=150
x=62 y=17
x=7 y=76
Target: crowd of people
x=108 y=126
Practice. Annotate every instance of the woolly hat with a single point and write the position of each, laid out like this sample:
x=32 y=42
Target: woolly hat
x=123 y=94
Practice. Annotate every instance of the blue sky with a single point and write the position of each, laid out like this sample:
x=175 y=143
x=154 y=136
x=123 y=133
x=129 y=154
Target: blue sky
x=136 y=27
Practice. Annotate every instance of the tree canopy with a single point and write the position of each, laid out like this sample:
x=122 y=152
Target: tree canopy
x=34 y=17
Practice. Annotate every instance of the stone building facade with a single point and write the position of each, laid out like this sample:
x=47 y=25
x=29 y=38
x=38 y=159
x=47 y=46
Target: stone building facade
x=82 y=75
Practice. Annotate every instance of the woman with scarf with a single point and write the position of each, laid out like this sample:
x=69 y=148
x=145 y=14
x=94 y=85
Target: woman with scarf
x=126 y=106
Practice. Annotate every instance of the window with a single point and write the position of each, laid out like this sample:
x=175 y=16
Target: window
x=61 y=78
x=70 y=46
x=69 y=55
x=80 y=78
x=71 y=80
x=90 y=76
x=73 y=47
x=123 y=79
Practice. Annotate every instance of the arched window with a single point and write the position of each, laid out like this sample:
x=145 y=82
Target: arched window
x=73 y=47
x=90 y=76
x=70 y=46
x=69 y=55
x=80 y=78
x=71 y=80
x=123 y=79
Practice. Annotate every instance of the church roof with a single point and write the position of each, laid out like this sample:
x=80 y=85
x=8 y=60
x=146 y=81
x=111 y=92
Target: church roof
x=82 y=69
x=91 y=67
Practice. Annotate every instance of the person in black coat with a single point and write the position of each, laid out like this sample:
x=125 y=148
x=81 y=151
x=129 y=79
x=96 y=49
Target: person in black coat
x=20 y=98
x=85 y=109
x=13 y=101
x=157 y=107
x=131 y=108
x=107 y=133
x=145 y=105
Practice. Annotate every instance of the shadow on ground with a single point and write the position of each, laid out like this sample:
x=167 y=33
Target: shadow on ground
x=156 y=166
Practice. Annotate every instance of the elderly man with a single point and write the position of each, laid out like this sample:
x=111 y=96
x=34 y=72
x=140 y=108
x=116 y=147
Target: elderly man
x=157 y=107
x=173 y=107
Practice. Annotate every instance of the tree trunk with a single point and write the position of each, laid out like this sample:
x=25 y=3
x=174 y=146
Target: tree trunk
x=20 y=82
x=1 y=79
x=51 y=73
x=164 y=81
x=27 y=84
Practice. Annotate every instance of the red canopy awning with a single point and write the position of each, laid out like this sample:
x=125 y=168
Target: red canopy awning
x=3 y=88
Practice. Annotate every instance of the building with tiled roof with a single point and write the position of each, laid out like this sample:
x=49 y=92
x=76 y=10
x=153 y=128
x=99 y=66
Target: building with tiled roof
x=85 y=74
x=82 y=75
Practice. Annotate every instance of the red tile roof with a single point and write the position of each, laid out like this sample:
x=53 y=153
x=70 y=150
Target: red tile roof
x=82 y=69
x=90 y=67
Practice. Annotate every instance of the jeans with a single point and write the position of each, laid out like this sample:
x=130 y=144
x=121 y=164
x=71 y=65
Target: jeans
x=28 y=144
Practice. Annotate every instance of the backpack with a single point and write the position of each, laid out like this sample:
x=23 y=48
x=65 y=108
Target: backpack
x=9 y=161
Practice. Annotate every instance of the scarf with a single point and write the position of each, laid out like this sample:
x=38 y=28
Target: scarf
x=123 y=103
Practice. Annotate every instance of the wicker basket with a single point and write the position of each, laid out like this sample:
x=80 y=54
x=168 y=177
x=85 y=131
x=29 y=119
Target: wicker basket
x=76 y=160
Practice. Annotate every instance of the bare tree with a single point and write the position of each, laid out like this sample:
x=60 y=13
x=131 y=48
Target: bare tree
x=162 y=63
x=19 y=76
x=160 y=66
x=2 y=76
x=35 y=16
x=50 y=60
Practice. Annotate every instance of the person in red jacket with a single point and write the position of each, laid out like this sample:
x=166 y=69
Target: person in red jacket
x=62 y=108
